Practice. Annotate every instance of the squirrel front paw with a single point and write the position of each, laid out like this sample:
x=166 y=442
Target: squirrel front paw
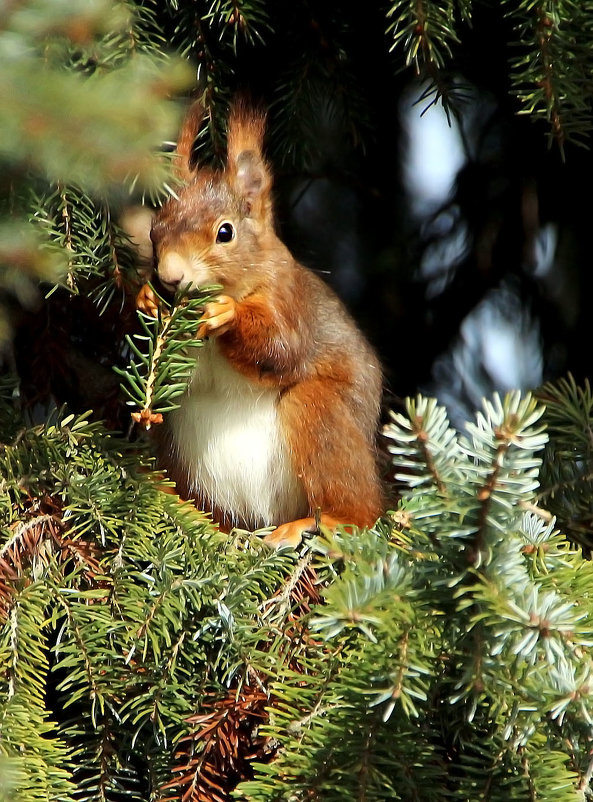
x=147 y=301
x=218 y=316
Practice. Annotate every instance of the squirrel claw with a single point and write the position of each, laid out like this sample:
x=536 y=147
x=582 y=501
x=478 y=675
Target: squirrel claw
x=218 y=316
x=147 y=301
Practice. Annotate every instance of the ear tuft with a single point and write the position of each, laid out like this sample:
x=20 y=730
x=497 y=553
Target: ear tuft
x=186 y=139
x=246 y=166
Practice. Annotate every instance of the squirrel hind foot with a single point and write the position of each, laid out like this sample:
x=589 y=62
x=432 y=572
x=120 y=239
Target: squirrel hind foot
x=290 y=534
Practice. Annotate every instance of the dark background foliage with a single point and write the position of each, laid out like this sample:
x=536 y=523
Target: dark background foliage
x=339 y=104
x=433 y=285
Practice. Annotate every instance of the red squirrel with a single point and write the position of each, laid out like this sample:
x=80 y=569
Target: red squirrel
x=281 y=415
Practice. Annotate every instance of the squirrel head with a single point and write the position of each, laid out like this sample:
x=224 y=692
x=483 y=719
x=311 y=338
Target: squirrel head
x=219 y=227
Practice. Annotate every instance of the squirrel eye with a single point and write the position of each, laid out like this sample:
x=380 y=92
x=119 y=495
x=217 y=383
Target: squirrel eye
x=225 y=233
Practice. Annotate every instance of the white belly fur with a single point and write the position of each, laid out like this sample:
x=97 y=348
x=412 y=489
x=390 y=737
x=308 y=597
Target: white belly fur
x=227 y=435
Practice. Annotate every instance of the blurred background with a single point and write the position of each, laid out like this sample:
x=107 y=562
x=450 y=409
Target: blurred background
x=431 y=162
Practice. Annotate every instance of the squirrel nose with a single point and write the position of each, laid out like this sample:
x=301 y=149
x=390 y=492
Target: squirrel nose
x=171 y=285
x=171 y=269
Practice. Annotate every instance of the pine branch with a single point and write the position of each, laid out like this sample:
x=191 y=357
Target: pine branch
x=552 y=79
x=424 y=441
x=425 y=32
x=163 y=364
x=567 y=473
x=239 y=20
x=216 y=754
x=319 y=115
x=40 y=759
x=490 y=638
x=212 y=35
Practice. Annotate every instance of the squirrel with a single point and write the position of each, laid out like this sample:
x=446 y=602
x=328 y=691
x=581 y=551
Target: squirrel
x=278 y=425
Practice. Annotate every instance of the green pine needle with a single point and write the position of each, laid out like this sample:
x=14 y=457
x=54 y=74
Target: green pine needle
x=161 y=362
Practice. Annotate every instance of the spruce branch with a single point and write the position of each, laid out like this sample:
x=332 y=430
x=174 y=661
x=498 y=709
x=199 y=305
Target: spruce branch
x=34 y=543
x=507 y=624
x=423 y=444
x=39 y=759
x=505 y=440
x=425 y=32
x=128 y=95
x=424 y=29
x=196 y=35
x=94 y=61
x=239 y=20
x=551 y=76
x=222 y=742
x=299 y=589
x=319 y=101
x=212 y=35
x=99 y=259
x=567 y=471
x=162 y=363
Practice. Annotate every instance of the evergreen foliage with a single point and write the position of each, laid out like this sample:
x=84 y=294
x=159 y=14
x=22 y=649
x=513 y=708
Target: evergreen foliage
x=145 y=655
x=160 y=372
x=455 y=660
x=83 y=104
x=567 y=474
x=128 y=586
x=551 y=78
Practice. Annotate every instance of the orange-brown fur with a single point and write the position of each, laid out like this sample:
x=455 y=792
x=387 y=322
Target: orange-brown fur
x=287 y=331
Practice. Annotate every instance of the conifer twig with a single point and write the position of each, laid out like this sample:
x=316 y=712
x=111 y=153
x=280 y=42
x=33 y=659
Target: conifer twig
x=162 y=362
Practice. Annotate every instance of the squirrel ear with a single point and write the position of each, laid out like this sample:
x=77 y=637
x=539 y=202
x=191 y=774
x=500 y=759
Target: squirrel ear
x=246 y=167
x=186 y=139
x=251 y=180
